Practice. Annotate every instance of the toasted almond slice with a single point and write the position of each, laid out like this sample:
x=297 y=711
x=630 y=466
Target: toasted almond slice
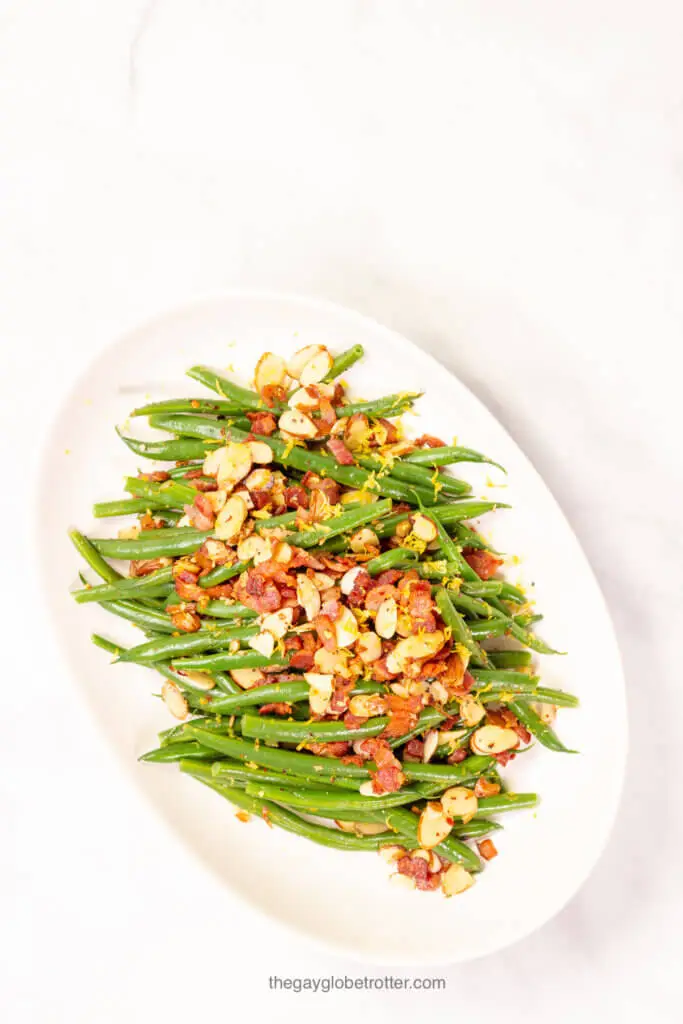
x=493 y=739
x=130 y=532
x=357 y=497
x=282 y=552
x=321 y=581
x=230 y=519
x=424 y=528
x=346 y=628
x=199 y=680
x=244 y=494
x=546 y=712
x=334 y=662
x=308 y=596
x=456 y=879
x=362 y=828
x=301 y=399
x=449 y=739
x=402 y=881
x=301 y=358
x=422 y=645
x=263 y=642
x=438 y=692
x=174 y=700
x=471 y=711
x=228 y=464
x=297 y=424
x=270 y=370
x=316 y=368
x=364 y=540
x=400 y=689
x=278 y=622
x=261 y=453
x=459 y=802
x=320 y=690
x=367 y=705
x=185 y=520
x=385 y=620
x=430 y=745
x=356 y=430
x=349 y=578
x=391 y=853
x=433 y=826
x=346 y=826
x=259 y=480
x=403 y=529
x=367 y=789
x=368 y=647
x=254 y=548
x=247 y=677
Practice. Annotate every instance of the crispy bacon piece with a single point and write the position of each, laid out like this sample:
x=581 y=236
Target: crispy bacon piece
x=296 y=497
x=388 y=577
x=420 y=606
x=330 y=488
x=377 y=594
x=148 y=522
x=257 y=591
x=505 y=757
x=487 y=849
x=403 y=713
x=157 y=477
x=338 y=749
x=353 y=759
x=391 y=431
x=331 y=608
x=340 y=697
x=337 y=565
x=220 y=590
x=380 y=672
x=353 y=721
x=200 y=513
x=204 y=485
x=340 y=451
x=263 y=423
x=457 y=756
x=418 y=869
x=483 y=787
x=328 y=417
x=214 y=552
x=483 y=562
x=428 y=441
x=302 y=660
x=184 y=617
x=185 y=575
x=326 y=632
x=388 y=778
x=413 y=750
x=144 y=566
x=361 y=585
x=272 y=394
x=279 y=708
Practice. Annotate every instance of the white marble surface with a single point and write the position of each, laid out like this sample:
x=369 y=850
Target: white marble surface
x=503 y=182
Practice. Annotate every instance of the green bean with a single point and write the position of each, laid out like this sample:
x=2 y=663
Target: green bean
x=459 y=628
x=448 y=774
x=506 y=802
x=176 y=450
x=429 y=719
x=125 y=587
x=444 y=513
x=502 y=675
x=177 y=733
x=396 y=558
x=510 y=593
x=153 y=544
x=215 y=406
x=226 y=662
x=450 y=849
x=178 y=751
x=146 y=618
x=222 y=573
x=414 y=475
x=106 y=645
x=243 y=397
x=535 y=694
x=509 y=659
x=345 y=361
x=266 y=694
x=166 y=648
x=126 y=507
x=447 y=456
x=345 y=521
x=389 y=406
x=266 y=728
x=178 y=472
x=231 y=773
x=168 y=492
x=220 y=608
x=313 y=800
x=93 y=557
x=538 y=728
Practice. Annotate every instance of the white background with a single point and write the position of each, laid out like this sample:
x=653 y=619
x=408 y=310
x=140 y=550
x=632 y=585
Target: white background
x=501 y=181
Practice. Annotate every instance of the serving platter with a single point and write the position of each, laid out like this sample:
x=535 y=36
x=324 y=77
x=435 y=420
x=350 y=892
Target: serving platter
x=342 y=899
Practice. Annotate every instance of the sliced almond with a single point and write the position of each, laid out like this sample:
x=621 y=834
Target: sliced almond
x=282 y=553
x=346 y=628
x=433 y=826
x=185 y=520
x=368 y=647
x=308 y=596
x=424 y=528
x=304 y=355
x=430 y=745
x=385 y=620
x=367 y=705
x=493 y=739
x=297 y=424
x=456 y=879
x=321 y=581
x=546 y=712
x=391 y=853
x=362 y=828
x=198 y=680
x=334 y=662
x=356 y=430
x=459 y=802
x=216 y=499
x=270 y=370
x=364 y=540
x=261 y=453
x=247 y=677
x=450 y=739
x=254 y=548
x=174 y=700
x=438 y=692
x=358 y=497
x=301 y=399
x=130 y=532
x=422 y=645
x=263 y=642
x=320 y=690
x=244 y=494
x=471 y=711
x=367 y=789
x=349 y=578
x=277 y=623
x=402 y=881
x=228 y=464
x=316 y=368
x=230 y=519
x=259 y=480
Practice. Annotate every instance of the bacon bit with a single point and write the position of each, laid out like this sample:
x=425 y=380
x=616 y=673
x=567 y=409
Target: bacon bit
x=429 y=441
x=328 y=417
x=340 y=451
x=483 y=787
x=457 y=756
x=277 y=709
x=353 y=721
x=377 y=594
x=391 y=431
x=380 y=672
x=388 y=778
x=389 y=576
x=242 y=816
x=338 y=749
x=193 y=474
x=204 y=485
x=214 y=552
x=326 y=632
x=403 y=713
x=330 y=488
x=148 y=522
x=263 y=423
x=184 y=618
x=157 y=477
x=296 y=497
x=200 y=513
x=273 y=394
x=258 y=592
x=185 y=579
x=302 y=660
x=413 y=750
x=361 y=585
x=219 y=591
x=331 y=609
x=505 y=757
x=340 y=697
x=483 y=562
x=261 y=498
x=338 y=565
x=352 y=759
x=418 y=869
x=420 y=606
x=487 y=849
x=145 y=566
